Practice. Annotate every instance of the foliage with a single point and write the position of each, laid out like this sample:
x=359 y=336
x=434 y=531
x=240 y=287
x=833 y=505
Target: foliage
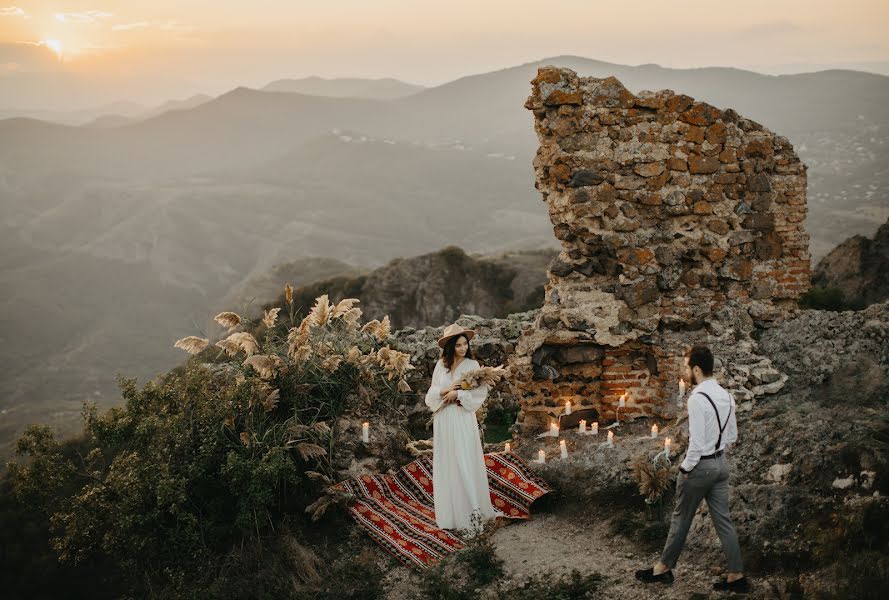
x=573 y=586
x=195 y=473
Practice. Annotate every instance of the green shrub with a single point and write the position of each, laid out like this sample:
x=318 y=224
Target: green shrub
x=212 y=458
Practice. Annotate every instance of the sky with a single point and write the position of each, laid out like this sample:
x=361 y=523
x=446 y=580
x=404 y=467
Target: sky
x=218 y=44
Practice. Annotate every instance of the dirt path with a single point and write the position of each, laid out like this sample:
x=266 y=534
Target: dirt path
x=552 y=544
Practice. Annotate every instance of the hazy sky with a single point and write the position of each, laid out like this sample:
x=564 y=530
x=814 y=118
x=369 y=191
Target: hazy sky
x=228 y=42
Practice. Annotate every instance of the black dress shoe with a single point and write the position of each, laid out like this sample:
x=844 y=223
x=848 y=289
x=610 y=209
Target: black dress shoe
x=648 y=576
x=739 y=586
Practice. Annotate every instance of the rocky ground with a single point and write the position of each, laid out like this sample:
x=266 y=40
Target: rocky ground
x=810 y=476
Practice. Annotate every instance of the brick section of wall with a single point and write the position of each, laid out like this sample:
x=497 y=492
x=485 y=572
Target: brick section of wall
x=667 y=210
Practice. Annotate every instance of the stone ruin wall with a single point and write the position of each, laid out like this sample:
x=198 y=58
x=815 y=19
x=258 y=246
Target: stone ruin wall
x=674 y=217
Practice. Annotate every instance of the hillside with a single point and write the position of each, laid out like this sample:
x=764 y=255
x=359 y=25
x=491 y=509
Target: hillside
x=859 y=267
x=440 y=286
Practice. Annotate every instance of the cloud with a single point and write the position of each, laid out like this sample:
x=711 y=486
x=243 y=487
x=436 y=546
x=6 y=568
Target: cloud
x=90 y=16
x=131 y=26
x=13 y=11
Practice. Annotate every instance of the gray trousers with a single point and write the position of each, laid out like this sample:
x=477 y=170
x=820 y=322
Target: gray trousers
x=707 y=481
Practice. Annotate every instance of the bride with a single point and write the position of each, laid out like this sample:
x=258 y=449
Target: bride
x=459 y=477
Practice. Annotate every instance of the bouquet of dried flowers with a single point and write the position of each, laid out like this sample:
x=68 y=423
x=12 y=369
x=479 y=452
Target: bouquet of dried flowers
x=488 y=376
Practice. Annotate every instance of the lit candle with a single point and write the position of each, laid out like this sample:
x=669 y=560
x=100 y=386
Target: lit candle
x=563 y=449
x=622 y=402
x=568 y=407
x=667 y=443
x=541 y=456
x=681 y=387
x=610 y=438
x=507 y=447
x=595 y=428
x=365 y=432
x=554 y=429
x=582 y=426
x=654 y=430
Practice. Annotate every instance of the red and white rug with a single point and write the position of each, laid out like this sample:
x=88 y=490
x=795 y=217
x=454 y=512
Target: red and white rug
x=397 y=511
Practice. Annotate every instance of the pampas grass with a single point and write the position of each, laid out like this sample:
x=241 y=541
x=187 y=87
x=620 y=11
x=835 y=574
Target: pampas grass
x=270 y=317
x=309 y=451
x=321 y=312
x=653 y=479
x=288 y=293
x=266 y=365
x=245 y=341
x=192 y=344
x=228 y=319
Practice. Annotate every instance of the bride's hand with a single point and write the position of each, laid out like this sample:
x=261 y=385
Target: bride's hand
x=451 y=397
x=445 y=391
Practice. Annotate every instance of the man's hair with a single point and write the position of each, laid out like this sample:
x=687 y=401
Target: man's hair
x=700 y=356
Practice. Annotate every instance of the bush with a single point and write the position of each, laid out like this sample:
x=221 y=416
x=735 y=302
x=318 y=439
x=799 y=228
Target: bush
x=188 y=481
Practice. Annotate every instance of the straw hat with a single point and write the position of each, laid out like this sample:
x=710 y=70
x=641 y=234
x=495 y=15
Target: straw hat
x=454 y=330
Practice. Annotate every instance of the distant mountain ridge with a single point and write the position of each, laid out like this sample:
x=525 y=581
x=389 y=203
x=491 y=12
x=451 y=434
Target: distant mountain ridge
x=375 y=89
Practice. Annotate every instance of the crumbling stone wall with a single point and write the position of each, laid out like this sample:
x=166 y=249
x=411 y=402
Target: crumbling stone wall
x=670 y=213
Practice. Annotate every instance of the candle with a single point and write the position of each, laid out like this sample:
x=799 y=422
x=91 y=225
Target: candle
x=654 y=430
x=610 y=438
x=365 y=432
x=507 y=447
x=582 y=426
x=595 y=428
x=541 y=456
x=622 y=402
x=554 y=429
x=667 y=443
x=568 y=407
x=563 y=449
x=681 y=387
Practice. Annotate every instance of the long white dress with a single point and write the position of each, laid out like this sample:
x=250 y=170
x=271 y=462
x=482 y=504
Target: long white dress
x=459 y=477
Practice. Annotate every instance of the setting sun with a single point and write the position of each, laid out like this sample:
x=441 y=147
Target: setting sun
x=55 y=46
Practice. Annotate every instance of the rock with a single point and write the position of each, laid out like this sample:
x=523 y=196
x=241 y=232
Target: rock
x=844 y=483
x=779 y=473
x=585 y=177
x=763 y=374
x=859 y=267
x=545 y=372
x=702 y=164
x=759 y=183
x=559 y=97
x=649 y=169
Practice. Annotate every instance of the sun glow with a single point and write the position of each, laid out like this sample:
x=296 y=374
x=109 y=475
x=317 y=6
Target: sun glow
x=55 y=46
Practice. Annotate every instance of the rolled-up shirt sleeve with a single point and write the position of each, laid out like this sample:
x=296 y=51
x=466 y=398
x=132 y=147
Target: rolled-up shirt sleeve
x=696 y=432
x=433 y=396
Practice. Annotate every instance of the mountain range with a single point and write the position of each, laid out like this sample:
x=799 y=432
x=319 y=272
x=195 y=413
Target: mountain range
x=120 y=236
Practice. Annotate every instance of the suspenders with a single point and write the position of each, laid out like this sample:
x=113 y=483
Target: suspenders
x=716 y=451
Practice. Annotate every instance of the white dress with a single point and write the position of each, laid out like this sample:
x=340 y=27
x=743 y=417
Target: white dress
x=459 y=477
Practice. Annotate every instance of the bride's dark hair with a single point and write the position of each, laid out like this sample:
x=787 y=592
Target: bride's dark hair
x=449 y=352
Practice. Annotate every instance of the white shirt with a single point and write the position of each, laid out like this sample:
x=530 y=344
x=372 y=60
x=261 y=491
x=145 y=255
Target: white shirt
x=703 y=429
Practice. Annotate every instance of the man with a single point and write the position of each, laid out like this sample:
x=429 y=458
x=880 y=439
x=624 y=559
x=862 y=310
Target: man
x=704 y=474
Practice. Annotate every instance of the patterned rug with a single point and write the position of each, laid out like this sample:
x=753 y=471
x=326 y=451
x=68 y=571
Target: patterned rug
x=397 y=511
